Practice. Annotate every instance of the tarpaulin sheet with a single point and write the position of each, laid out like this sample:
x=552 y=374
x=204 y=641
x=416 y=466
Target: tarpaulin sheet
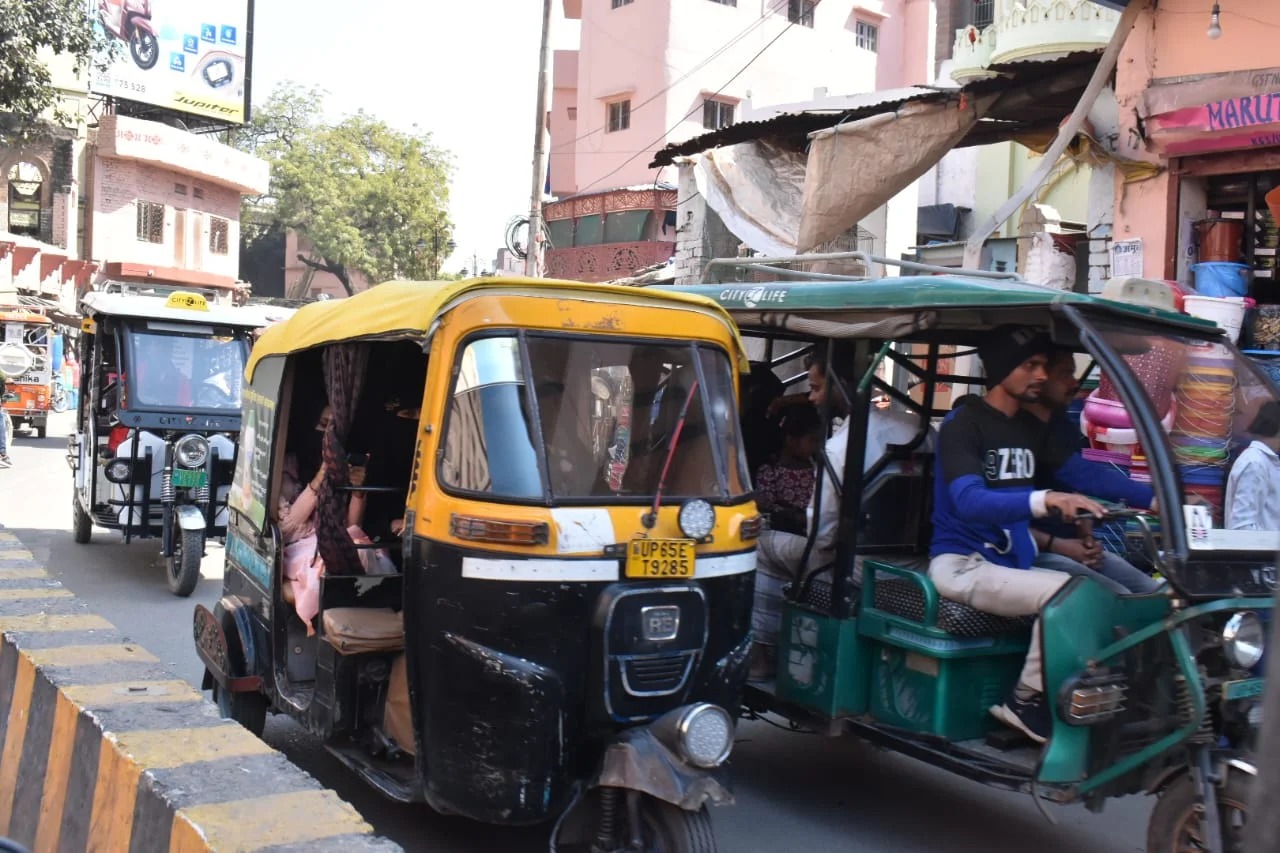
x=854 y=168
x=757 y=189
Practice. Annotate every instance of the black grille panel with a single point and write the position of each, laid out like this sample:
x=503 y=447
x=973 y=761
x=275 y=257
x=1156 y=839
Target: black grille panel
x=655 y=676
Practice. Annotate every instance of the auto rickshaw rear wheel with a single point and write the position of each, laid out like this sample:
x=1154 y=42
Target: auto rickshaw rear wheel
x=1176 y=820
x=182 y=569
x=247 y=709
x=81 y=521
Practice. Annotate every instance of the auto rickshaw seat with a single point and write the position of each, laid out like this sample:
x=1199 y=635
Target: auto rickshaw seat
x=907 y=592
x=356 y=630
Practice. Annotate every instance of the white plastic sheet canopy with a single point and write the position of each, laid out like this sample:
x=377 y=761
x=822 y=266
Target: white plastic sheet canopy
x=780 y=202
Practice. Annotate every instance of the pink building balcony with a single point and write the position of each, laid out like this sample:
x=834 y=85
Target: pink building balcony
x=606 y=261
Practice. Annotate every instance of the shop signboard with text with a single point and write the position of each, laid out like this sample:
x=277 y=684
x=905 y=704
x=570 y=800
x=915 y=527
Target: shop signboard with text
x=192 y=57
x=1220 y=112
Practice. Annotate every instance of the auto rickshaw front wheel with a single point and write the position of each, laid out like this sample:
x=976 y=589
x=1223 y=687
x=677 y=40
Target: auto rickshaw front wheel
x=182 y=569
x=1176 y=824
x=664 y=828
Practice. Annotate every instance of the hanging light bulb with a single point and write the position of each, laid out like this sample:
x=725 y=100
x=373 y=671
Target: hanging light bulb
x=1215 y=23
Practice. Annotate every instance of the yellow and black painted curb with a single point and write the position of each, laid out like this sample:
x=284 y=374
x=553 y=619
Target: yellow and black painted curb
x=103 y=749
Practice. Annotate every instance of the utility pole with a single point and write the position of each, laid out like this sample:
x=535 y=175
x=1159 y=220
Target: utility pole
x=533 y=262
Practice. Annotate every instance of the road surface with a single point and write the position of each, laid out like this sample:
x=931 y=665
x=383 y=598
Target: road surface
x=795 y=792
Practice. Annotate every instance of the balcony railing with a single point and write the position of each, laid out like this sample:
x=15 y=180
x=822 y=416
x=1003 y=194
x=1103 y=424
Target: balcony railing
x=607 y=260
x=1031 y=30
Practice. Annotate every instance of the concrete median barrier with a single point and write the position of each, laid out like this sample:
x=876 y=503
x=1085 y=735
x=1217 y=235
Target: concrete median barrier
x=103 y=749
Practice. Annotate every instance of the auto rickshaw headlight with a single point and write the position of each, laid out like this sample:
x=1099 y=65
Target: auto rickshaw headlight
x=697 y=519
x=118 y=470
x=704 y=735
x=191 y=451
x=1243 y=639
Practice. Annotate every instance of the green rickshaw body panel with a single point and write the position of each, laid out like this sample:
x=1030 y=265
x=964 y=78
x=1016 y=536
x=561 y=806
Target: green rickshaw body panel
x=1075 y=625
x=823 y=665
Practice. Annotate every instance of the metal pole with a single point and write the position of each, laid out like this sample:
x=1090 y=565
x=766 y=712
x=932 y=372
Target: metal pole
x=1066 y=133
x=533 y=263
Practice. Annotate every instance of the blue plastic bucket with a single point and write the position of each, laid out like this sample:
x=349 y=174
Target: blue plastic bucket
x=1220 y=278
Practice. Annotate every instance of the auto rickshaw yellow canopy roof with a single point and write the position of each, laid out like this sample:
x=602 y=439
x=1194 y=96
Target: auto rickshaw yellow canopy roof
x=409 y=308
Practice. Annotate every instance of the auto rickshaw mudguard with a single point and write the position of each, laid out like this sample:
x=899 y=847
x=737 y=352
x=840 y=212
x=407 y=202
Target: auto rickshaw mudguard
x=639 y=761
x=1081 y=620
x=225 y=644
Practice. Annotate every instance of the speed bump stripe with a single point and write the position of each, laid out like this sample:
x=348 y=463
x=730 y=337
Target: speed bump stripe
x=91 y=655
x=104 y=749
x=272 y=820
x=42 y=622
x=131 y=692
x=23 y=573
x=34 y=592
x=164 y=749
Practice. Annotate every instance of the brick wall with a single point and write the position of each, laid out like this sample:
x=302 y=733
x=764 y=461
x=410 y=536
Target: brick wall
x=1101 y=217
x=118 y=187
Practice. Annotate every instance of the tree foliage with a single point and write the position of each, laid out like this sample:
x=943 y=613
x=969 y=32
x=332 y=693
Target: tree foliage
x=363 y=193
x=31 y=31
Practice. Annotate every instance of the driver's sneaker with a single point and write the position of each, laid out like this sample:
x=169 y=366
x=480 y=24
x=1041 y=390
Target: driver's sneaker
x=5 y=461
x=1029 y=716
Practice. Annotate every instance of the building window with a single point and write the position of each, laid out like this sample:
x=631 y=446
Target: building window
x=197 y=192
x=150 y=222
x=801 y=12
x=716 y=114
x=179 y=189
x=618 y=4
x=984 y=13
x=219 y=229
x=573 y=113
x=619 y=116
x=868 y=35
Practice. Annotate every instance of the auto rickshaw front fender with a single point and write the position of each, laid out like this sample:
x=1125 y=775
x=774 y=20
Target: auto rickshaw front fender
x=639 y=761
x=190 y=517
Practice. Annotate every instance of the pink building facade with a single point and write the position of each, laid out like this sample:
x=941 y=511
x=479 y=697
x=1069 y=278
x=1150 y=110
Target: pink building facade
x=165 y=203
x=652 y=72
x=1207 y=111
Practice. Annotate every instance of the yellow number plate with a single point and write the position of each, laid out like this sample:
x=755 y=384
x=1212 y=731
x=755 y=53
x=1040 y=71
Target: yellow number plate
x=660 y=558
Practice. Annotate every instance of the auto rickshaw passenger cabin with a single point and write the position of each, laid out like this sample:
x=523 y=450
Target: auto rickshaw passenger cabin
x=558 y=515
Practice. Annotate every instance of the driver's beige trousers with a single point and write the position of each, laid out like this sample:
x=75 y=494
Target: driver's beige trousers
x=971 y=580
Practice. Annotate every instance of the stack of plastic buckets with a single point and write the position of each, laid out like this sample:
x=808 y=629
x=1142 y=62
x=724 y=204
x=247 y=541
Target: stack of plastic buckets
x=1201 y=435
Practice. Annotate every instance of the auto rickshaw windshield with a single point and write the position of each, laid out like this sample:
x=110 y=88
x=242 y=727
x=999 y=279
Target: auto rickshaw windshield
x=167 y=370
x=1212 y=402
x=607 y=418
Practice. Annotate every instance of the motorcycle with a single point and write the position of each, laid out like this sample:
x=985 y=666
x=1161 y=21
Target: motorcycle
x=130 y=21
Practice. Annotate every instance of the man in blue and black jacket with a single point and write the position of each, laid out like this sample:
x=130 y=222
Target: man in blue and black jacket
x=985 y=498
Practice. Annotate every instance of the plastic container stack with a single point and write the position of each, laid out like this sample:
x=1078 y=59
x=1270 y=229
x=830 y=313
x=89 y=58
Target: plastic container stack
x=1205 y=397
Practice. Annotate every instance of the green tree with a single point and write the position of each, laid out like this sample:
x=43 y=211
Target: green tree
x=360 y=191
x=30 y=30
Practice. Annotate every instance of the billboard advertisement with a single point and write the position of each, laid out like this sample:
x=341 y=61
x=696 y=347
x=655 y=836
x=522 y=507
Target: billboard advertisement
x=180 y=55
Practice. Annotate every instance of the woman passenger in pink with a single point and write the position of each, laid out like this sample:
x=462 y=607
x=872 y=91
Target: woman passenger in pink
x=296 y=514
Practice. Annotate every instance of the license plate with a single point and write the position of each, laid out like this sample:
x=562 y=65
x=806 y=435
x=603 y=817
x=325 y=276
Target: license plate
x=1246 y=688
x=660 y=558
x=187 y=479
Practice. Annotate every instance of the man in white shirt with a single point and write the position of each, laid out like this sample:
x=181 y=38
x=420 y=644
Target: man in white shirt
x=778 y=552
x=1253 y=488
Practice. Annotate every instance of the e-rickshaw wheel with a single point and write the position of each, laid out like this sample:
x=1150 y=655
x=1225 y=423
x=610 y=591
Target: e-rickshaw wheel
x=664 y=827
x=1175 y=825
x=81 y=521
x=182 y=569
x=247 y=709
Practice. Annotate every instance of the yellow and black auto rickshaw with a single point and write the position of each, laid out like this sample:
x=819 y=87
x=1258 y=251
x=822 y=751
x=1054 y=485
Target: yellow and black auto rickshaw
x=493 y=541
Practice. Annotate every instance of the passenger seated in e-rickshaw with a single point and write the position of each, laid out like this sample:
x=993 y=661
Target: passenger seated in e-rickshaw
x=780 y=552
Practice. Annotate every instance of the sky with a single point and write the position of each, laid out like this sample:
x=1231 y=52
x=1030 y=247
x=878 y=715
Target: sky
x=467 y=72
